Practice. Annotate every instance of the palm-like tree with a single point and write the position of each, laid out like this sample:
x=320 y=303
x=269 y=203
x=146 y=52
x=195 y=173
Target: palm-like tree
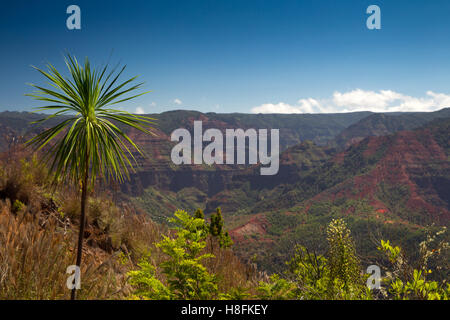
x=87 y=143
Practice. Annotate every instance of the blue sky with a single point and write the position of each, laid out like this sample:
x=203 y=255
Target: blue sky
x=241 y=56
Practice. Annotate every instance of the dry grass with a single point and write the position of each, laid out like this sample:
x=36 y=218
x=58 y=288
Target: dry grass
x=37 y=240
x=38 y=231
x=34 y=255
x=231 y=271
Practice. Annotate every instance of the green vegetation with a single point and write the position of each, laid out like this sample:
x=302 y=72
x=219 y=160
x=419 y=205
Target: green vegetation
x=36 y=239
x=407 y=282
x=130 y=257
x=36 y=235
x=186 y=277
x=291 y=232
x=87 y=144
x=336 y=276
x=160 y=205
x=216 y=230
x=383 y=124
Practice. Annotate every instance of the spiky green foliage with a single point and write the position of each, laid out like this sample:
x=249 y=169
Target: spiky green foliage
x=216 y=229
x=343 y=262
x=216 y=226
x=338 y=276
x=198 y=214
x=88 y=137
x=87 y=142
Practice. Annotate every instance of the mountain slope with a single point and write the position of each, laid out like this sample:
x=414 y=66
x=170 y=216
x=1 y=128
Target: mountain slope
x=393 y=186
x=380 y=124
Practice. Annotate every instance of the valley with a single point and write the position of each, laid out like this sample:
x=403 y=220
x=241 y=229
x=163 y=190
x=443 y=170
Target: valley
x=387 y=175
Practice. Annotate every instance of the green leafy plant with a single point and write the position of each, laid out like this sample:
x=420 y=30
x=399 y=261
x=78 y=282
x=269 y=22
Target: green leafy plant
x=343 y=262
x=87 y=143
x=276 y=288
x=147 y=285
x=17 y=206
x=216 y=230
x=187 y=278
x=198 y=214
x=336 y=276
x=309 y=272
x=409 y=282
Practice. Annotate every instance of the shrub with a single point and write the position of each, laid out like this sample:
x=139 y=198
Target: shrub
x=344 y=265
x=411 y=282
x=217 y=231
x=185 y=275
x=310 y=273
x=276 y=288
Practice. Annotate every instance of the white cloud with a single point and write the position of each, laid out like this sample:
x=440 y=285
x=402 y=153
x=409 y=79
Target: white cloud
x=303 y=106
x=140 y=110
x=365 y=99
x=309 y=105
x=177 y=101
x=280 y=107
x=441 y=98
x=361 y=100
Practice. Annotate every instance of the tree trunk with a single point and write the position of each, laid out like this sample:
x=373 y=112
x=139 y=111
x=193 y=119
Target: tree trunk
x=82 y=224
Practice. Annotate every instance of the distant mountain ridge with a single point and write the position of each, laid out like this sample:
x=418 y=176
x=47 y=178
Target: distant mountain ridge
x=380 y=124
x=319 y=128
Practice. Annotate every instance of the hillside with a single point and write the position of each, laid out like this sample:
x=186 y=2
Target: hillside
x=160 y=186
x=390 y=186
x=385 y=184
x=380 y=124
x=38 y=231
x=319 y=128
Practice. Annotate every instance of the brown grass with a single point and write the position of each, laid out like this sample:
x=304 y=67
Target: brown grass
x=34 y=256
x=38 y=231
